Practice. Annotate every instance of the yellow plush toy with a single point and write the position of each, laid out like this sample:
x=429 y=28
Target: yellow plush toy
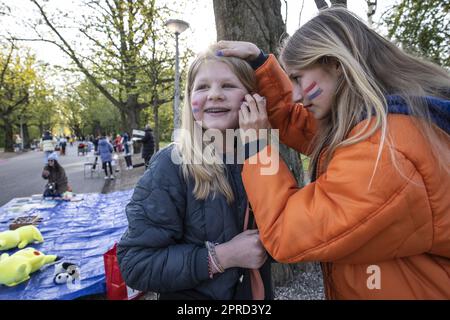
x=16 y=269
x=20 y=237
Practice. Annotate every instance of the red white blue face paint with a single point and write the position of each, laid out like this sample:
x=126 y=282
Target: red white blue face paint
x=195 y=107
x=313 y=91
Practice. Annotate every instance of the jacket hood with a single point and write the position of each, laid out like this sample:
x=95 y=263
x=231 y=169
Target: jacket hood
x=439 y=109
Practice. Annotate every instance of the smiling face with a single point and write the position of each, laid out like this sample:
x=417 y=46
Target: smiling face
x=315 y=87
x=217 y=95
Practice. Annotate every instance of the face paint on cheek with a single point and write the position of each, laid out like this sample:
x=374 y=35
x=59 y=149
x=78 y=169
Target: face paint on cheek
x=313 y=91
x=195 y=107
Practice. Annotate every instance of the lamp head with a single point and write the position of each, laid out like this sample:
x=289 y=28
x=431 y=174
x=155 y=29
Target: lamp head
x=176 y=26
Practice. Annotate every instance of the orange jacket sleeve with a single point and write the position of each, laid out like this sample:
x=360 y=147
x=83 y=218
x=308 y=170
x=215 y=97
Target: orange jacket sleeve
x=297 y=126
x=337 y=218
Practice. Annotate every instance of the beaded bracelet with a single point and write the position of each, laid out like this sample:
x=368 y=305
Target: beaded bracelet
x=213 y=262
x=210 y=270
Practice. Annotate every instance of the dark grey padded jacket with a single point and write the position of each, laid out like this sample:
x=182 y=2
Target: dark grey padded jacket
x=164 y=250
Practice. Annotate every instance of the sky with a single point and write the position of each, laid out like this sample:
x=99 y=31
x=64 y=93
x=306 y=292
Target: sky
x=199 y=15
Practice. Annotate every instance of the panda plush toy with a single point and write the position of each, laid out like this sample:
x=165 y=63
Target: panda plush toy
x=66 y=272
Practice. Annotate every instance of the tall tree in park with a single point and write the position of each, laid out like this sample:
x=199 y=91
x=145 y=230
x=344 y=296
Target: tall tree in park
x=259 y=22
x=41 y=110
x=119 y=35
x=421 y=27
x=91 y=111
x=16 y=78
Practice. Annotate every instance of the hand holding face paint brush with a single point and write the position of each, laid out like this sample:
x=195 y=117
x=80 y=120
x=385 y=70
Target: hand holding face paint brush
x=253 y=116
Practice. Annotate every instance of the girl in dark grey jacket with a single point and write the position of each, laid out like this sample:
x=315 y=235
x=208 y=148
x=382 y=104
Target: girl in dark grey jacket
x=188 y=213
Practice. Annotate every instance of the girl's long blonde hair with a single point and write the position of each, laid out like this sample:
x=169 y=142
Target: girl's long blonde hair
x=372 y=68
x=209 y=175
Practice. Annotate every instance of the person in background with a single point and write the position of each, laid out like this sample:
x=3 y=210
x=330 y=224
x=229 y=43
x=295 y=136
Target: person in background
x=118 y=146
x=148 y=145
x=47 y=144
x=63 y=144
x=95 y=142
x=105 y=149
x=56 y=176
x=128 y=149
x=18 y=143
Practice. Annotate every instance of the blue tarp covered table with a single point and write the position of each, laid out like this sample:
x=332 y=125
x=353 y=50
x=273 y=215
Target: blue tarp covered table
x=80 y=232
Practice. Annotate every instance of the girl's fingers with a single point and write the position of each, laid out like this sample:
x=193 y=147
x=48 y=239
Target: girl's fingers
x=244 y=112
x=230 y=49
x=252 y=105
x=241 y=49
x=261 y=102
x=230 y=53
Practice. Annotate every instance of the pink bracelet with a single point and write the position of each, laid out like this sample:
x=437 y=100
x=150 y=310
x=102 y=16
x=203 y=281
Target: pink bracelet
x=213 y=263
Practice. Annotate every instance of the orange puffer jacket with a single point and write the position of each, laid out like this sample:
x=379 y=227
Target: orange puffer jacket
x=391 y=241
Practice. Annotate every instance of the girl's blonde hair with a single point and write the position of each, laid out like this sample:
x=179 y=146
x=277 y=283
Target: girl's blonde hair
x=209 y=175
x=372 y=68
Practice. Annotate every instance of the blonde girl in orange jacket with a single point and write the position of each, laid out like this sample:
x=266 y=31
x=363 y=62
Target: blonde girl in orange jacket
x=375 y=122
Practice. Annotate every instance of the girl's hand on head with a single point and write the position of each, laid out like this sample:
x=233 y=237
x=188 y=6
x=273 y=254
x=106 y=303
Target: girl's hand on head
x=240 y=49
x=253 y=116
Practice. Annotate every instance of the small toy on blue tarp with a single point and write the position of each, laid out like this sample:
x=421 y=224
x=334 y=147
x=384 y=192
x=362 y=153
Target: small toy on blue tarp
x=20 y=237
x=17 y=268
x=66 y=272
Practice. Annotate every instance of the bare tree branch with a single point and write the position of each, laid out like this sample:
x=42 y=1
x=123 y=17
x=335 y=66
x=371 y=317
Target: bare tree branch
x=74 y=57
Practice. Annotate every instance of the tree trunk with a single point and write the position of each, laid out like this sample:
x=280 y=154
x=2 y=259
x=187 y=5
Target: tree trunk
x=26 y=136
x=260 y=22
x=96 y=128
x=257 y=21
x=321 y=4
x=371 y=9
x=132 y=112
x=156 y=128
x=339 y=3
x=9 y=141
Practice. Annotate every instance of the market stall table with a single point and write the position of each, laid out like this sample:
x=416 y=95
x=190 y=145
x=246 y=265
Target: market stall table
x=79 y=231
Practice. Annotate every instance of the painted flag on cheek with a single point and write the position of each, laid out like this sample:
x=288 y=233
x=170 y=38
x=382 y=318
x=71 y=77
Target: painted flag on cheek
x=313 y=91
x=195 y=107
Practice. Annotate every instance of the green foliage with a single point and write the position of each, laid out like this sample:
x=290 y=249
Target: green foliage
x=41 y=110
x=126 y=51
x=422 y=27
x=88 y=112
x=17 y=78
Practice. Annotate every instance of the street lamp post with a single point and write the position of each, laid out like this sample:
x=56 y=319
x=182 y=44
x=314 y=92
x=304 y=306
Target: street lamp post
x=177 y=27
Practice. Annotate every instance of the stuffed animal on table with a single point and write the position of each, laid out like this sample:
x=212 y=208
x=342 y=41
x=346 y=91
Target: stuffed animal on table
x=66 y=272
x=17 y=268
x=20 y=237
